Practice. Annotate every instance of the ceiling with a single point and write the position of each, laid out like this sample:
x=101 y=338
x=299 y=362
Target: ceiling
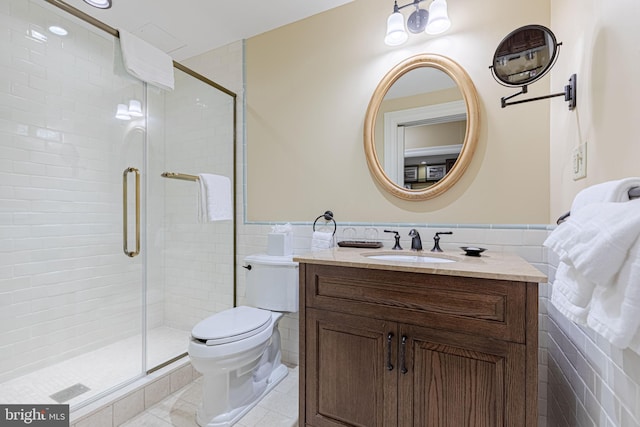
x=185 y=28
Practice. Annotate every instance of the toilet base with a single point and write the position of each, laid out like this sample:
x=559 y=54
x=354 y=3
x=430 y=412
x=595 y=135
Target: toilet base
x=230 y=418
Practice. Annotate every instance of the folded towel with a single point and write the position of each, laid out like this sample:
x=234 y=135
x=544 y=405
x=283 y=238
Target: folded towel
x=146 y=62
x=595 y=241
x=214 y=198
x=615 y=310
x=571 y=294
x=610 y=191
x=598 y=279
x=321 y=240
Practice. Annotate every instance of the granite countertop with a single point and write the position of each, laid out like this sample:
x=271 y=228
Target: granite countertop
x=491 y=265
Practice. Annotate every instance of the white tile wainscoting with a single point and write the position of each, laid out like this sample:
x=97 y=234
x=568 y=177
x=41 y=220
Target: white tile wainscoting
x=589 y=382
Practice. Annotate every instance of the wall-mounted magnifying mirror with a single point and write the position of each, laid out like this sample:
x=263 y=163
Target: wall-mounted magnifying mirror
x=421 y=127
x=524 y=56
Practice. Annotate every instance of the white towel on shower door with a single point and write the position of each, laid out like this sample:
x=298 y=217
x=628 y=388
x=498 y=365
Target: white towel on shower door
x=214 y=198
x=146 y=62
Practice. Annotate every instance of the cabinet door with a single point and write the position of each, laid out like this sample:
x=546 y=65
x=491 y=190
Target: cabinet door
x=350 y=375
x=460 y=380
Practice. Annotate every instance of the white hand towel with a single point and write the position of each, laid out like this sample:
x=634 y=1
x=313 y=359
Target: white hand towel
x=595 y=240
x=214 y=198
x=598 y=278
x=615 y=311
x=610 y=191
x=571 y=294
x=146 y=62
x=321 y=240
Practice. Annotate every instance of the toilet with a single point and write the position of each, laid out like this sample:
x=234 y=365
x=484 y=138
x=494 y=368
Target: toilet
x=237 y=351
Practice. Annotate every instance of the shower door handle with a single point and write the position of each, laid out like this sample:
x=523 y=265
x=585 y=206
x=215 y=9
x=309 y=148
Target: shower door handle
x=125 y=219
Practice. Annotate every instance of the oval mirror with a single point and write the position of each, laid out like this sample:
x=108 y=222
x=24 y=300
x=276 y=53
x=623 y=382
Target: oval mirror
x=421 y=127
x=525 y=55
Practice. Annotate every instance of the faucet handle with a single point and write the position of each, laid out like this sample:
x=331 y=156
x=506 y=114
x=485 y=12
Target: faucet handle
x=436 y=241
x=397 y=246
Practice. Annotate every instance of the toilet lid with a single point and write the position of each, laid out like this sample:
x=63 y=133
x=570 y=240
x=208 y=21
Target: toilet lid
x=232 y=325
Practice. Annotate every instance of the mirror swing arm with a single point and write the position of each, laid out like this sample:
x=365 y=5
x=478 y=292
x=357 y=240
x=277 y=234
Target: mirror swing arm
x=524 y=56
x=569 y=94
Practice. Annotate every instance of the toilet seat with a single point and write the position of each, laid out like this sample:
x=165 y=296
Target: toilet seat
x=232 y=325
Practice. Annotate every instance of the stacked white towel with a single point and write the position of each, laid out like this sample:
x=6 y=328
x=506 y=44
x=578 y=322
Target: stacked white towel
x=321 y=240
x=610 y=191
x=214 y=198
x=146 y=62
x=598 y=279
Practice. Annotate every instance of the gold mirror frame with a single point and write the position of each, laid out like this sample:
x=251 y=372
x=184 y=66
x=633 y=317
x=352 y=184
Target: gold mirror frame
x=470 y=95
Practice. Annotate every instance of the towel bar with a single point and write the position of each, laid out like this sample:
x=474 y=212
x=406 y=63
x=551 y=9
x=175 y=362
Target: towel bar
x=634 y=193
x=182 y=176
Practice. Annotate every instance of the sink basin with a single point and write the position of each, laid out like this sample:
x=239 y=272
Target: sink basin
x=420 y=259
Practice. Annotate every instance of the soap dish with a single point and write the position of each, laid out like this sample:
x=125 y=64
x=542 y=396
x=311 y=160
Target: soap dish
x=359 y=244
x=472 y=250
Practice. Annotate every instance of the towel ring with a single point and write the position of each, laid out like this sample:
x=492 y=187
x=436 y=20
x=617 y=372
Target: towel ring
x=328 y=216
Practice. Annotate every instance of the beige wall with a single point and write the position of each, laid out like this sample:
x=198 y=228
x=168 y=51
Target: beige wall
x=600 y=44
x=307 y=88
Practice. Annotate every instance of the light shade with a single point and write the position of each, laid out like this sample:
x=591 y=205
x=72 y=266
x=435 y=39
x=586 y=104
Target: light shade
x=438 y=18
x=123 y=112
x=135 y=108
x=396 y=32
x=100 y=4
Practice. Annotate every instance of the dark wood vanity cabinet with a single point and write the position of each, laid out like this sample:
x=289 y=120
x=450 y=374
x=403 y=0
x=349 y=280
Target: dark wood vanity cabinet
x=389 y=348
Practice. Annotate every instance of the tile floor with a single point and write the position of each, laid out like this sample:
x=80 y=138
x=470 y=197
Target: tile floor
x=279 y=408
x=119 y=362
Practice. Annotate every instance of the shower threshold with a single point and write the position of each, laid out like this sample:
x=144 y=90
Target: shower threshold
x=89 y=374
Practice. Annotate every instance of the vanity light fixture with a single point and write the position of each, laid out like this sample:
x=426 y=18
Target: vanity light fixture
x=432 y=21
x=100 y=4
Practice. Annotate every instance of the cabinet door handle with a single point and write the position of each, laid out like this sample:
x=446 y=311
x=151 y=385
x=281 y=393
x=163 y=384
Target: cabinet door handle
x=389 y=338
x=403 y=349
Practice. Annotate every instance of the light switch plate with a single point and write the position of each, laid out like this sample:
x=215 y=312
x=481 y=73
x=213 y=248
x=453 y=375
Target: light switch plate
x=579 y=162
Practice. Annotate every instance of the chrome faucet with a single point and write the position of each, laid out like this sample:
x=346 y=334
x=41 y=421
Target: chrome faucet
x=416 y=242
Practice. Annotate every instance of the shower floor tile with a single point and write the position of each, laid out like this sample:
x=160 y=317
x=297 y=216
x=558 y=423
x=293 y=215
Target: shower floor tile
x=97 y=370
x=277 y=409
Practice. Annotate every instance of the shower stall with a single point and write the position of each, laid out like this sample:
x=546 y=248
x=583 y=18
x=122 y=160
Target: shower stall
x=104 y=267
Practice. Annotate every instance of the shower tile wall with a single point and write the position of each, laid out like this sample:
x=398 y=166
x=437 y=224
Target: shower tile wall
x=62 y=154
x=59 y=295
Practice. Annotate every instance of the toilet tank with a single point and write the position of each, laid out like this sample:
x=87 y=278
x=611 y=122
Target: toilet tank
x=272 y=282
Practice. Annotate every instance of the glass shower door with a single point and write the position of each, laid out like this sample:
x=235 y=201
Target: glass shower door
x=190 y=264
x=71 y=300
